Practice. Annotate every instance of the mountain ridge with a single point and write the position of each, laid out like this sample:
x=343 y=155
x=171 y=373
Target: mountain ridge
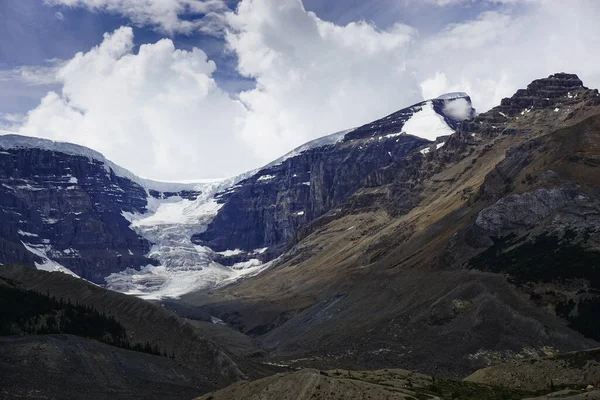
x=164 y=216
x=389 y=270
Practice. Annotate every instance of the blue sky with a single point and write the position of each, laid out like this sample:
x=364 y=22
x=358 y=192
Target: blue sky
x=33 y=32
x=281 y=78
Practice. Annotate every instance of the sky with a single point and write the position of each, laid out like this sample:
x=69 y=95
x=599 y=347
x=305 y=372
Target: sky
x=193 y=89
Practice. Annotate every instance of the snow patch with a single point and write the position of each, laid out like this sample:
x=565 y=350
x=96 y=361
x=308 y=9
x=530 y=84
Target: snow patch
x=217 y=321
x=229 y=253
x=265 y=178
x=23 y=233
x=427 y=124
x=453 y=95
x=47 y=264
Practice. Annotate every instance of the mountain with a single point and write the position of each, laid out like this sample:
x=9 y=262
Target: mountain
x=266 y=210
x=434 y=239
x=67 y=208
x=442 y=261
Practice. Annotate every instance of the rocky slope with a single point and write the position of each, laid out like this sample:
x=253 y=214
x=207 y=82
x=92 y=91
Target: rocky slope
x=433 y=262
x=377 y=385
x=143 y=321
x=577 y=370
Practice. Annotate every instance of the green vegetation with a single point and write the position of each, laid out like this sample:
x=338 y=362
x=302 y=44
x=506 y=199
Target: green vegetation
x=25 y=312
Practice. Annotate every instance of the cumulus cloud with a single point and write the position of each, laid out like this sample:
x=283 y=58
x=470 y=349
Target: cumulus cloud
x=169 y=16
x=158 y=112
x=498 y=52
x=314 y=77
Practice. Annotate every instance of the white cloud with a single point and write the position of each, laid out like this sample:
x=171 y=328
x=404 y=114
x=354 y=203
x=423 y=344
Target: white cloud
x=444 y=3
x=34 y=75
x=493 y=55
x=314 y=77
x=158 y=112
x=11 y=121
x=169 y=16
x=161 y=114
x=59 y=16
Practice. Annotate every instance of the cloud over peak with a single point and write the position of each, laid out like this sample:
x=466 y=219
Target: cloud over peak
x=314 y=77
x=160 y=113
x=155 y=112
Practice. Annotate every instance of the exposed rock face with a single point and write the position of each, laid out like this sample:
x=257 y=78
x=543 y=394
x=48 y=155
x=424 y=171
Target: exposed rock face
x=526 y=210
x=69 y=207
x=557 y=92
x=268 y=208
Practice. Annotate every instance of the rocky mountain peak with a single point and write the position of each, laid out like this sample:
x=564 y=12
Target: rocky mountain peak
x=560 y=96
x=543 y=93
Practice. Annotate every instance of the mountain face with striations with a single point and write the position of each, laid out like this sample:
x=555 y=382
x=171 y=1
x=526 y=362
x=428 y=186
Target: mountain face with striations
x=67 y=208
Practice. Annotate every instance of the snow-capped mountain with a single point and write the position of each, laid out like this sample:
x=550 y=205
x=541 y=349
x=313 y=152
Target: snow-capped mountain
x=267 y=209
x=67 y=208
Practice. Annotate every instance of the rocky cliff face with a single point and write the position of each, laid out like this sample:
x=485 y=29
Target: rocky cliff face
x=265 y=210
x=68 y=208
x=61 y=207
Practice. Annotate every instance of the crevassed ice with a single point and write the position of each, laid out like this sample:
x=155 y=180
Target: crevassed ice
x=184 y=267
